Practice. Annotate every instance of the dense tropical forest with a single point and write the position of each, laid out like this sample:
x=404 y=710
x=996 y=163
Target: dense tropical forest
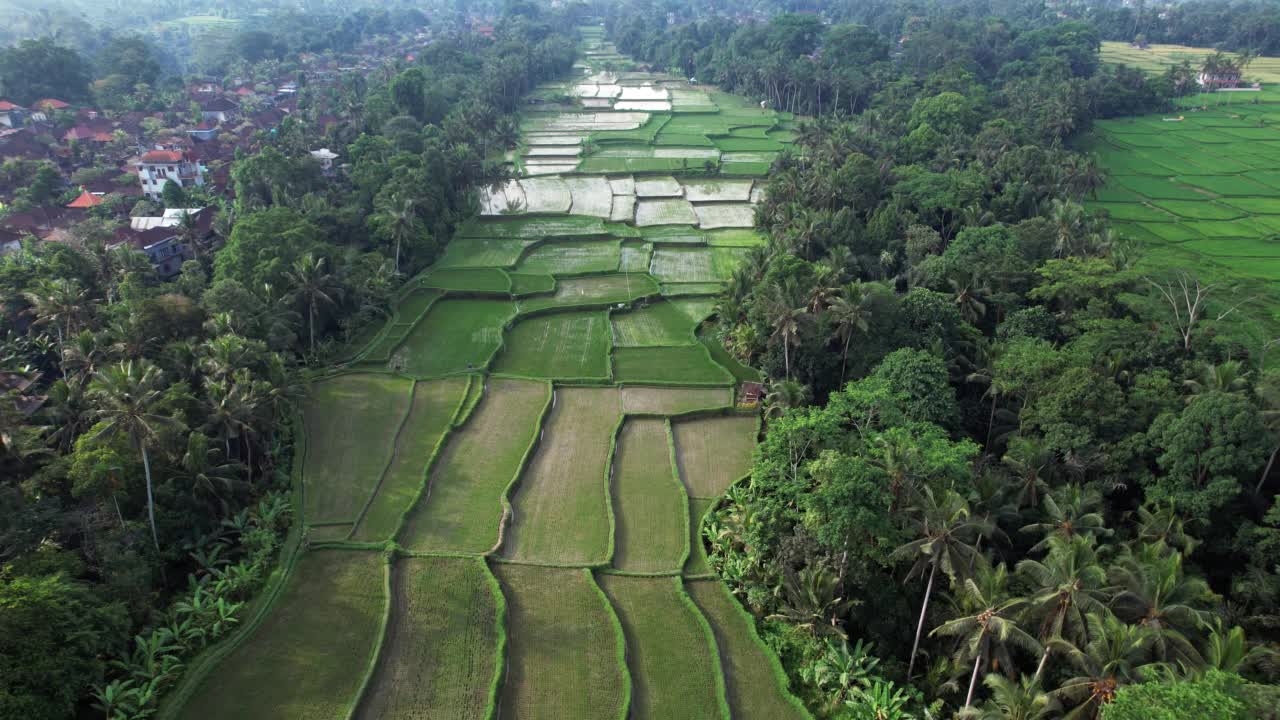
x=150 y=488
x=1004 y=471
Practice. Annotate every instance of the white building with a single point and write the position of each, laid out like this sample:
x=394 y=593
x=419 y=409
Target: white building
x=326 y=158
x=157 y=167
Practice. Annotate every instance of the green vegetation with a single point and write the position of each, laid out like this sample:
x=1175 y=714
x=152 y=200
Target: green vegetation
x=594 y=291
x=487 y=280
x=562 y=345
x=288 y=668
x=462 y=507
x=454 y=336
x=674 y=665
x=363 y=410
x=561 y=504
x=438 y=658
x=678 y=364
x=434 y=403
x=639 y=399
x=572 y=258
x=660 y=323
x=564 y=651
x=648 y=501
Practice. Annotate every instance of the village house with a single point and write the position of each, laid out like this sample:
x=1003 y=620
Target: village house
x=218 y=110
x=157 y=167
x=11 y=115
x=42 y=110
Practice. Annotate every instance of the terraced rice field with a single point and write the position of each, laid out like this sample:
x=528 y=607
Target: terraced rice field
x=560 y=512
x=306 y=657
x=564 y=647
x=434 y=405
x=463 y=505
x=502 y=494
x=441 y=652
x=337 y=482
x=1200 y=188
x=671 y=651
x=648 y=501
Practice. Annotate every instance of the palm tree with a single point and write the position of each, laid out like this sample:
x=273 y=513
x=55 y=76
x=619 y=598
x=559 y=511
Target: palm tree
x=1154 y=592
x=945 y=537
x=1013 y=700
x=61 y=303
x=984 y=373
x=812 y=601
x=1109 y=659
x=206 y=471
x=400 y=220
x=1226 y=377
x=1069 y=512
x=967 y=295
x=850 y=313
x=232 y=408
x=1031 y=460
x=1165 y=525
x=126 y=396
x=786 y=319
x=1067 y=585
x=784 y=395
x=989 y=626
x=312 y=285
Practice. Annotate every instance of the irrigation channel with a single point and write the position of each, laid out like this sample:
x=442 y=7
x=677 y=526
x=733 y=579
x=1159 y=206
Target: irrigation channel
x=500 y=496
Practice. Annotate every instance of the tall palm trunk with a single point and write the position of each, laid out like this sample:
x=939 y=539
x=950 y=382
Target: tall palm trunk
x=973 y=679
x=1267 y=470
x=928 y=590
x=1044 y=659
x=151 y=502
x=844 y=357
x=311 y=324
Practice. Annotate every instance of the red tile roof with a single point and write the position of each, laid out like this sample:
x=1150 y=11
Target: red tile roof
x=86 y=200
x=6 y=106
x=51 y=104
x=162 y=156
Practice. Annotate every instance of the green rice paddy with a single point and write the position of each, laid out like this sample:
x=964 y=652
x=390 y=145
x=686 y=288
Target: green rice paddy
x=501 y=498
x=1197 y=191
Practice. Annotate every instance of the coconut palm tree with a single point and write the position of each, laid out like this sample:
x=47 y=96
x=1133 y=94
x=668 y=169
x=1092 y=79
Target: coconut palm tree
x=988 y=626
x=946 y=535
x=1229 y=376
x=850 y=314
x=313 y=286
x=1067 y=585
x=126 y=396
x=784 y=395
x=812 y=601
x=399 y=219
x=1021 y=699
x=61 y=303
x=1153 y=591
x=1107 y=660
x=787 y=317
x=1164 y=524
x=1032 y=461
x=1069 y=512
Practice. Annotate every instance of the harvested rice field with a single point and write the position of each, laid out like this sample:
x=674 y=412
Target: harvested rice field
x=364 y=409
x=430 y=416
x=648 y=501
x=560 y=509
x=563 y=654
x=288 y=667
x=441 y=653
x=462 y=506
x=714 y=452
x=671 y=650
